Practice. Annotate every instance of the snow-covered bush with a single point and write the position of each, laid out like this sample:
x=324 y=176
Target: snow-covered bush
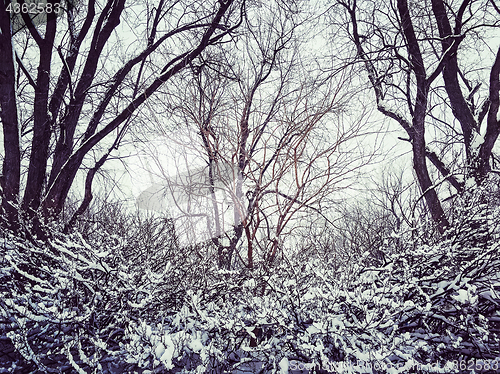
x=69 y=305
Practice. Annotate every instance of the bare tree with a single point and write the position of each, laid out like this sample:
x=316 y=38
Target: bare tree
x=78 y=93
x=418 y=67
x=271 y=135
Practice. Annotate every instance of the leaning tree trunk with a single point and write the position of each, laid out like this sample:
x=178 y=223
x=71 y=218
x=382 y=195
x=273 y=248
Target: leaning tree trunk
x=418 y=121
x=417 y=106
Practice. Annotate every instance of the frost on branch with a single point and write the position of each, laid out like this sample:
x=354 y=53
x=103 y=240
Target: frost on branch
x=79 y=307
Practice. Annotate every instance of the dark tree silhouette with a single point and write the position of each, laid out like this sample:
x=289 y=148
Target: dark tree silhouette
x=418 y=63
x=73 y=98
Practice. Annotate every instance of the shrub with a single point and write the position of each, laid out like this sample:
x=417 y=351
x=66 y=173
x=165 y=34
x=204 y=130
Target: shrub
x=72 y=306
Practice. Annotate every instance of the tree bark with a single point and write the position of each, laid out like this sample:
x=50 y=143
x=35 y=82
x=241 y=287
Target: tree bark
x=11 y=168
x=106 y=24
x=492 y=124
x=418 y=122
x=450 y=40
x=41 y=122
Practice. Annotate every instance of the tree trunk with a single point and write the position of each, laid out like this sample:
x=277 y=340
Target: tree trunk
x=493 y=124
x=418 y=121
x=41 y=123
x=11 y=168
x=450 y=40
x=106 y=24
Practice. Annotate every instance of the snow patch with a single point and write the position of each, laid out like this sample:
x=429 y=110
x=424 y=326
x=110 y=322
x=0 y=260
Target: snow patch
x=476 y=142
x=284 y=365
